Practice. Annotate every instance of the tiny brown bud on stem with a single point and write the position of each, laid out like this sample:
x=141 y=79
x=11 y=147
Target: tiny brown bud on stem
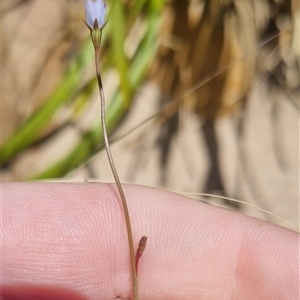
x=140 y=250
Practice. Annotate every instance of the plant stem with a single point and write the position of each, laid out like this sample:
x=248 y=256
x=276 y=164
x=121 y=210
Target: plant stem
x=116 y=177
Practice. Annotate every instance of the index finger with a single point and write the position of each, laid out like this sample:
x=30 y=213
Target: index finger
x=72 y=237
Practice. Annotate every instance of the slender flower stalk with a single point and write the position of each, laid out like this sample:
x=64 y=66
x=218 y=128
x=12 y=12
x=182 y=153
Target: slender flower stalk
x=95 y=20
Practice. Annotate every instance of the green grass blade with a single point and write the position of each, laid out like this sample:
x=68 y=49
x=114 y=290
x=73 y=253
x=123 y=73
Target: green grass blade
x=91 y=141
x=32 y=128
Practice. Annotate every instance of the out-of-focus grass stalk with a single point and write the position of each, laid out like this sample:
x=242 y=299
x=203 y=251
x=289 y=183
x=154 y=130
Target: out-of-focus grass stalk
x=38 y=121
x=31 y=129
x=118 y=55
x=28 y=133
x=137 y=70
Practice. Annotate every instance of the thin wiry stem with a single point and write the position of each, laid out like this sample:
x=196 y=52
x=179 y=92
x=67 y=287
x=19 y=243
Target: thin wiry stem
x=116 y=177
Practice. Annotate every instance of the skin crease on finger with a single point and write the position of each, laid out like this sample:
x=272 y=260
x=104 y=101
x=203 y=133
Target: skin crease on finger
x=71 y=238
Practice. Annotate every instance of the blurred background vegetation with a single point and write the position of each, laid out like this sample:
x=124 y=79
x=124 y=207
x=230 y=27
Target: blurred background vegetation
x=211 y=89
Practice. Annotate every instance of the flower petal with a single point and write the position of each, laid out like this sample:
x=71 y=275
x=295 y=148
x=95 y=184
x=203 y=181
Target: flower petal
x=95 y=10
x=90 y=14
x=100 y=7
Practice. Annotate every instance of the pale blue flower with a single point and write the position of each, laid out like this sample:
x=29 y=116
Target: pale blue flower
x=95 y=10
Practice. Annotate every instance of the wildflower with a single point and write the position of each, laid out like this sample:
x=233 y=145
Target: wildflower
x=95 y=11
